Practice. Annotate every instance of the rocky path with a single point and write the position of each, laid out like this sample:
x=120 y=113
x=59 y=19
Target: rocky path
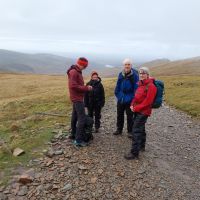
x=169 y=169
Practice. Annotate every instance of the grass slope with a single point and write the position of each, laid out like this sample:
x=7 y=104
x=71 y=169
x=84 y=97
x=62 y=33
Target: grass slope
x=21 y=97
x=183 y=93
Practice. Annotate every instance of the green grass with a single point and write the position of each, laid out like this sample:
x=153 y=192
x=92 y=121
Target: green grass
x=183 y=92
x=18 y=109
x=33 y=131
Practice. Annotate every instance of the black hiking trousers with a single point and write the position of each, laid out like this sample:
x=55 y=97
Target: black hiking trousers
x=120 y=117
x=78 y=121
x=95 y=111
x=139 y=133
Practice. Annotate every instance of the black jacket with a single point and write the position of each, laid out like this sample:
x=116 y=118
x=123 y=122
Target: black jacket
x=96 y=97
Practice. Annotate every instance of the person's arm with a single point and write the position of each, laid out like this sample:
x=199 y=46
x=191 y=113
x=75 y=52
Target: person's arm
x=74 y=85
x=136 y=80
x=102 y=96
x=86 y=99
x=117 y=87
x=133 y=102
x=151 y=93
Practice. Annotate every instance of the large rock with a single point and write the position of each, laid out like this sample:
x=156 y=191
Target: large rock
x=18 y=151
x=25 y=178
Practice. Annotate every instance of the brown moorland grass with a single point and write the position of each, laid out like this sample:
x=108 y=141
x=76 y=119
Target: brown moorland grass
x=176 y=68
x=22 y=96
x=183 y=92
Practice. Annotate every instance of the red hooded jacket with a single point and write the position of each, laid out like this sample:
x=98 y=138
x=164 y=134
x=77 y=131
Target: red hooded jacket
x=144 y=97
x=76 y=84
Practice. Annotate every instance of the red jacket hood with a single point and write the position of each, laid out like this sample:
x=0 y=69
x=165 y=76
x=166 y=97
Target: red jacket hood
x=146 y=81
x=74 y=67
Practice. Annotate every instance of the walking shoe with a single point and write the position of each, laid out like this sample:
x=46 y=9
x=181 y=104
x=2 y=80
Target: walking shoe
x=130 y=135
x=117 y=132
x=130 y=156
x=80 y=144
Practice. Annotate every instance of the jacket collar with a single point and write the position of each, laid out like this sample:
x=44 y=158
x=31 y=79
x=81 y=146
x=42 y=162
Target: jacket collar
x=127 y=75
x=74 y=67
x=146 y=81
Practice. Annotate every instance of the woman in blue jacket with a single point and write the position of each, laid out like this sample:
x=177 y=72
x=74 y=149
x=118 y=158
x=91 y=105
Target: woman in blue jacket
x=124 y=92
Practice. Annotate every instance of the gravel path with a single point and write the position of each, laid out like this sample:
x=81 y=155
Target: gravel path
x=168 y=169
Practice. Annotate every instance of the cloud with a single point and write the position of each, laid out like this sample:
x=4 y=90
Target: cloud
x=141 y=28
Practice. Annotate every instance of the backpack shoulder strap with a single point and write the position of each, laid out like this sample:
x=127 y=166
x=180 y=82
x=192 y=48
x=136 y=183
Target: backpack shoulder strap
x=131 y=78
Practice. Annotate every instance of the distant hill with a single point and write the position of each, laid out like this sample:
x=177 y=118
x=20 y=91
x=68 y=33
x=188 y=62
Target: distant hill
x=11 y=61
x=155 y=63
x=189 y=66
x=16 y=62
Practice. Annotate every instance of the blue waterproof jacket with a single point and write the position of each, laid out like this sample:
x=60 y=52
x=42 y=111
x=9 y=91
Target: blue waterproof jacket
x=126 y=86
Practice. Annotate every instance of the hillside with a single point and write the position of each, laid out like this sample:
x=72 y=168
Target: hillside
x=56 y=169
x=155 y=63
x=17 y=62
x=189 y=66
x=11 y=61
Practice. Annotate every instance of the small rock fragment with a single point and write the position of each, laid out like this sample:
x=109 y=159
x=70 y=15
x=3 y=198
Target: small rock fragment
x=18 y=152
x=67 y=187
x=23 y=191
x=93 y=180
x=24 y=179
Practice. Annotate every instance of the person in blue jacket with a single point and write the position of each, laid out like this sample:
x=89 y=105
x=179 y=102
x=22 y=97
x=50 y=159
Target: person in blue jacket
x=124 y=92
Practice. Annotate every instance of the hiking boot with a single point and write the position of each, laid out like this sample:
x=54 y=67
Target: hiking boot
x=130 y=156
x=71 y=137
x=130 y=135
x=80 y=144
x=117 y=132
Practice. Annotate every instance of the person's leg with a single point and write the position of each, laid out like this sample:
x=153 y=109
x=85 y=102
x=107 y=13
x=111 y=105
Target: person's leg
x=138 y=129
x=143 y=140
x=129 y=114
x=120 y=117
x=91 y=111
x=97 y=117
x=81 y=118
x=73 y=123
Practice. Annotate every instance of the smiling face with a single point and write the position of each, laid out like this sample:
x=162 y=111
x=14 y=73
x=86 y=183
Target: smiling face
x=127 y=67
x=143 y=75
x=95 y=77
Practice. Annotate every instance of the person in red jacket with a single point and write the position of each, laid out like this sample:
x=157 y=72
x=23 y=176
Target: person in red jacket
x=141 y=105
x=77 y=89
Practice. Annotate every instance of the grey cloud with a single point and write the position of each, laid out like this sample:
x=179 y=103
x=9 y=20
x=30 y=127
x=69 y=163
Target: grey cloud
x=144 y=28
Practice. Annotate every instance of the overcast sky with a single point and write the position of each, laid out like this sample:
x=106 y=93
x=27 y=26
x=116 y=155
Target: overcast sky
x=140 y=28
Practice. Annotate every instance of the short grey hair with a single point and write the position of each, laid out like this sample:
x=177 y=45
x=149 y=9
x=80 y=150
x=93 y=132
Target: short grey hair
x=127 y=61
x=145 y=70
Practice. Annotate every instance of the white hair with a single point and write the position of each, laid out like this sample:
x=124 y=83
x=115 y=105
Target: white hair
x=127 y=61
x=145 y=70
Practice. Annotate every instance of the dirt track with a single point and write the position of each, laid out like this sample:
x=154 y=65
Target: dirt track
x=169 y=169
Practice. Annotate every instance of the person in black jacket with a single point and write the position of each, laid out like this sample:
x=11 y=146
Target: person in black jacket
x=94 y=100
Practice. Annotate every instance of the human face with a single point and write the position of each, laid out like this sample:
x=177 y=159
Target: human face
x=127 y=67
x=95 y=77
x=81 y=67
x=143 y=75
